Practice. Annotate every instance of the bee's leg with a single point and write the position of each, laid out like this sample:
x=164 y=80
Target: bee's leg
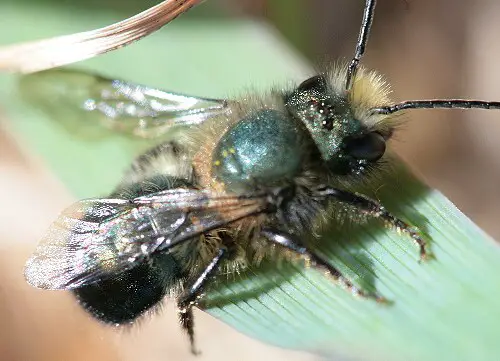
x=316 y=261
x=376 y=210
x=193 y=293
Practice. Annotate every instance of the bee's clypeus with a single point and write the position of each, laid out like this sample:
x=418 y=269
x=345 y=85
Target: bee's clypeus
x=249 y=174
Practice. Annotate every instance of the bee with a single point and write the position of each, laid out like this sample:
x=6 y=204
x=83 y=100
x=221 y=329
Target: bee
x=244 y=180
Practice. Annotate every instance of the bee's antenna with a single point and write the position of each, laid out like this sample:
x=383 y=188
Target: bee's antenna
x=364 y=32
x=436 y=104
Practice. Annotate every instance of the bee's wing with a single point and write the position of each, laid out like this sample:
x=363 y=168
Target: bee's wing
x=97 y=238
x=66 y=94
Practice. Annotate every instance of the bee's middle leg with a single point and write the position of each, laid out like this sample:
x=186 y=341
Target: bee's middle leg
x=193 y=293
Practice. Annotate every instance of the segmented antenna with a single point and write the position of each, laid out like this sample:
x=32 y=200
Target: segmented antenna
x=436 y=104
x=364 y=32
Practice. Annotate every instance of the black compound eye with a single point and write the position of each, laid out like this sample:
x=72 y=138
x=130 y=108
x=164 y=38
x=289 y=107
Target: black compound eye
x=315 y=83
x=370 y=147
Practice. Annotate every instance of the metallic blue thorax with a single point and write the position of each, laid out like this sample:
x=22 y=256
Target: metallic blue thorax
x=263 y=148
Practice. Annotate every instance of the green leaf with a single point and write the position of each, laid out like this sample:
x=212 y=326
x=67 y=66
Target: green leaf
x=445 y=309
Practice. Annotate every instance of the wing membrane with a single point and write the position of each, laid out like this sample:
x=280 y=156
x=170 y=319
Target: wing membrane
x=97 y=238
x=91 y=100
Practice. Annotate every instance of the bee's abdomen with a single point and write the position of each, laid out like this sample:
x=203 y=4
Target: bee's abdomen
x=126 y=295
x=123 y=298
x=263 y=147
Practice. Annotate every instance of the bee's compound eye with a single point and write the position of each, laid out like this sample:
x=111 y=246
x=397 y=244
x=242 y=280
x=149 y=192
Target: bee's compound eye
x=370 y=147
x=316 y=83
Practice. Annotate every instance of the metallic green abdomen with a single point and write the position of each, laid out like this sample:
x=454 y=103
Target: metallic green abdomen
x=262 y=148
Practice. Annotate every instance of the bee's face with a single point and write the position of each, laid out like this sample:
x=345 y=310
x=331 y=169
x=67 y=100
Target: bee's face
x=347 y=144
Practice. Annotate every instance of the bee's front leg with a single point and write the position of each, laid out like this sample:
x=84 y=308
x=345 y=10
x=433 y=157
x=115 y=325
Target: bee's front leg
x=316 y=261
x=376 y=210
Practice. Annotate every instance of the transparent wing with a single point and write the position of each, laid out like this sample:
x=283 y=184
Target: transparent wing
x=97 y=238
x=86 y=100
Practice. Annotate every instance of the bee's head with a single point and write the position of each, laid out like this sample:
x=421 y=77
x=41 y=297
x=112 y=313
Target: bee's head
x=348 y=138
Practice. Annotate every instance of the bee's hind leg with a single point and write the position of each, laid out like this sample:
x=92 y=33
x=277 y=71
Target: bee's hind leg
x=316 y=261
x=376 y=210
x=193 y=293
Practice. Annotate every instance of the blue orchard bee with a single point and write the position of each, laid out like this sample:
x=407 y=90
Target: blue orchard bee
x=249 y=179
